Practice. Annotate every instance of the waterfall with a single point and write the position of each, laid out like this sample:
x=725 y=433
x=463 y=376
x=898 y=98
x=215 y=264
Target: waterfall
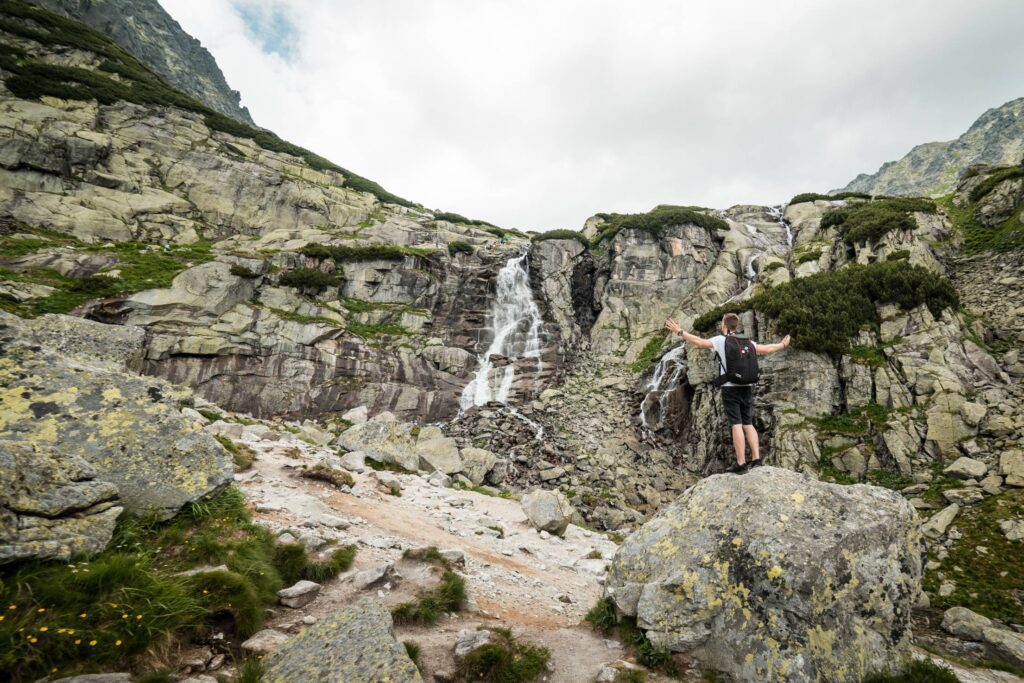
x=661 y=385
x=777 y=212
x=516 y=323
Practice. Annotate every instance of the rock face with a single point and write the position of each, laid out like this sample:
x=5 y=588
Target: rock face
x=933 y=168
x=773 y=575
x=354 y=644
x=82 y=438
x=147 y=31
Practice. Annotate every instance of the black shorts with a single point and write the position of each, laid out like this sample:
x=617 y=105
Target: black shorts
x=739 y=405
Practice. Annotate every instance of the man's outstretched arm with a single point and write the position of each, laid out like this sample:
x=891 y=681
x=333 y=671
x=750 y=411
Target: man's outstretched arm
x=772 y=348
x=674 y=328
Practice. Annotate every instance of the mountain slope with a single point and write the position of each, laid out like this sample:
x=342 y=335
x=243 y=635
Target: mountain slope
x=932 y=169
x=149 y=33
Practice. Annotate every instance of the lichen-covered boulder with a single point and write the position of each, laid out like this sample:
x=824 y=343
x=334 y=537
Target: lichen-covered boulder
x=385 y=440
x=354 y=644
x=106 y=425
x=774 y=575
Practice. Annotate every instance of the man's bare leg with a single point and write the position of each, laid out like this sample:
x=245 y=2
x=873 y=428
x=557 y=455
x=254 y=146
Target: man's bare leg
x=739 y=443
x=755 y=448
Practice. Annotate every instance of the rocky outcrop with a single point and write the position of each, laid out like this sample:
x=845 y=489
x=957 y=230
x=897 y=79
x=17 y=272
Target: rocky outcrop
x=149 y=33
x=934 y=168
x=548 y=511
x=773 y=575
x=1005 y=645
x=355 y=643
x=85 y=438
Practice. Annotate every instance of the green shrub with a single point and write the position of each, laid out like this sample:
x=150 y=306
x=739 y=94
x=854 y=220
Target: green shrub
x=504 y=660
x=562 y=235
x=604 y=618
x=656 y=221
x=448 y=596
x=870 y=221
x=344 y=254
x=815 y=196
x=898 y=255
x=916 y=671
x=93 y=286
x=457 y=218
x=308 y=278
x=824 y=311
x=293 y=563
x=460 y=247
x=241 y=271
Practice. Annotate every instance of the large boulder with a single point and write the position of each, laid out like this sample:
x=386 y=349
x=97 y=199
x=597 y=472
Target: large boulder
x=385 y=440
x=90 y=422
x=548 y=510
x=776 y=576
x=354 y=644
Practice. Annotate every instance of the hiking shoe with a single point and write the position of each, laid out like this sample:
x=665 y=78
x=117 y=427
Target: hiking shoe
x=756 y=463
x=736 y=468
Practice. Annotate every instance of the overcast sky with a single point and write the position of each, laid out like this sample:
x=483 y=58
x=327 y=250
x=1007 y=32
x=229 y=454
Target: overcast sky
x=536 y=114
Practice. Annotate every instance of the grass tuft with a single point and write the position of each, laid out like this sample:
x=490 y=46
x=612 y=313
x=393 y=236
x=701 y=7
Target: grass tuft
x=449 y=596
x=504 y=660
x=293 y=562
x=331 y=475
x=917 y=671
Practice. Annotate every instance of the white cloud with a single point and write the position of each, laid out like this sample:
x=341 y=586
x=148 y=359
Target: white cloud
x=536 y=114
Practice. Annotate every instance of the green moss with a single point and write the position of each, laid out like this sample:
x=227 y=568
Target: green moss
x=1008 y=236
x=457 y=218
x=242 y=455
x=986 y=582
x=374 y=252
x=241 y=271
x=562 y=235
x=447 y=597
x=774 y=265
x=460 y=247
x=650 y=350
x=868 y=355
x=385 y=466
x=371 y=330
x=889 y=479
x=656 y=221
x=504 y=659
x=14 y=248
x=866 y=222
x=824 y=311
x=305 y=319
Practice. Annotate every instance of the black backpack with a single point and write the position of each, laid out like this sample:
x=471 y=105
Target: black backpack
x=740 y=362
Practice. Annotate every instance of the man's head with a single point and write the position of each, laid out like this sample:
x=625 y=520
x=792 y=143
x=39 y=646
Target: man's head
x=730 y=323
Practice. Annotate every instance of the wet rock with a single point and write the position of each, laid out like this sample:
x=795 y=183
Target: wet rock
x=356 y=643
x=547 y=510
x=708 y=577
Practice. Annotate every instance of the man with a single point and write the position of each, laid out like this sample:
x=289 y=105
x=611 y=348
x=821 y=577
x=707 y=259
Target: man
x=737 y=399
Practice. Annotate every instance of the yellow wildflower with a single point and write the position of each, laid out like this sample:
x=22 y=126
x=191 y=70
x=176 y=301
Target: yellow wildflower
x=92 y=643
x=44 y=629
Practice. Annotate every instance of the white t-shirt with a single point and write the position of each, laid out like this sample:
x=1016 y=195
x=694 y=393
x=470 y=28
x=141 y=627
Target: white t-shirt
x=718 y=344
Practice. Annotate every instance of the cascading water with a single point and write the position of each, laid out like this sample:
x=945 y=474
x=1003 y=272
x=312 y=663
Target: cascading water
x=777 y=212
x=662 y=383
x=516 y=322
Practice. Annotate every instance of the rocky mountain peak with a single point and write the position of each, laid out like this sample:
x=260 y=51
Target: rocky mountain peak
x=148 y=32
x=933 y=168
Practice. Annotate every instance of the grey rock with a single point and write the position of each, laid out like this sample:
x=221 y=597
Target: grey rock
x=964 y=496
x=477 y=463
x=355 y=643
x=547 y=510
x=354 y=461
x=97 y=678
x=468 y=641
x=299 y=595
x=937 y=524
x=725 y=560
x=369 y=578
x=966 y=468
x=1013 y=529
x=264 y=642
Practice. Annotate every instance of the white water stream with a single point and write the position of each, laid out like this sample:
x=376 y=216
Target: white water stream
x=516 y=322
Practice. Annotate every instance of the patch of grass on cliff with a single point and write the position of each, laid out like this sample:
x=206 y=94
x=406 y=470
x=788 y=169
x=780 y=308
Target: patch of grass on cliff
x=988 y=582
x=562 y=235
x=604 y=618
x=308 y=279
x=504 y=659
x=992 y=181
x=870 y=221
x=447 y=597
x=460 y=247
x=458 y=218
x=371 y=330
x=823 y=312
x=655 y=222
x=916 y=671
x=649 y=351
x=109 y=610
x=139 y=84
x=1009 y=236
